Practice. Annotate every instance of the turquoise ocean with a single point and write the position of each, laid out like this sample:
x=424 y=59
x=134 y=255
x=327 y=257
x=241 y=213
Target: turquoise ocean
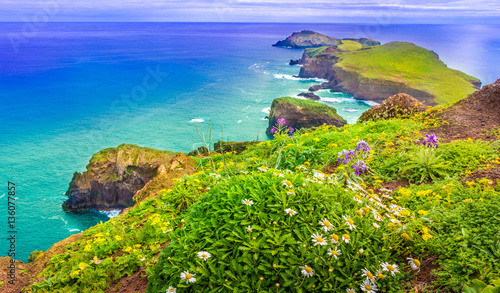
x=73 y=89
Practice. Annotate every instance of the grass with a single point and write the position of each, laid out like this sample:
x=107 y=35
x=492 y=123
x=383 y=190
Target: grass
x=455 y=220
x=308 y=106
x=348 y=45
x=412 y=65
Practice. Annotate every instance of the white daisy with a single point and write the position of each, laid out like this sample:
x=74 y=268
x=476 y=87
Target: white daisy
x=358 y=200
x=247 y=202
x=263 y=169
x=171 y=290
x=366 y=273
x=327 y=226
x=204 y=255
x=346 y=238
x=349 y=222
x=393 y=269
x=249 y=229
x=377 y=217
x=379 y=274
x=368 y=286
x=414 y=263
x=318 y=239
x=376 y=225
x=334 y=252
x=349 y=290
x=188 y=277
x=290 y=192
x=307 y=271
x=287 y=183
x=395 y=221
x=290 y=212
x=335 y=238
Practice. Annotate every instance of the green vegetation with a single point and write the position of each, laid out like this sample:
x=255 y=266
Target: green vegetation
x=348 y=45
x=308 y=106
x=257 y=219
x=415 y=66
x=130 y=152
x=310 y=52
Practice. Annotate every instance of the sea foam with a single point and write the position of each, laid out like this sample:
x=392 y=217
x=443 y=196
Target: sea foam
x=197 y=120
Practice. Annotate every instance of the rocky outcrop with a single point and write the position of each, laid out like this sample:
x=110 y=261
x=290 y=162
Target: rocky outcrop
x=346 y=72
x=476 y=117
x=300 y=113
x=310 y=39
x=400 y=104
x=113 y=176
x=310 y=96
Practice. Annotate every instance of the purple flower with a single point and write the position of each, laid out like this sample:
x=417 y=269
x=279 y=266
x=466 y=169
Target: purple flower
x=346 y=156
x=281 y=121
x=431 y=141
x=362 y=146
x=359 y=167
x=291 y=130
x=273 y=130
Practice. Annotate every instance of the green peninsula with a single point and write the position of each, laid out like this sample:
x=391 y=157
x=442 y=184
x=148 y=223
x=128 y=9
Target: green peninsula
x=375 y=72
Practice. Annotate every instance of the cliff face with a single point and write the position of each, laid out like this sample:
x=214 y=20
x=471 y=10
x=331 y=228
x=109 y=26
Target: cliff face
x=310 y=39
x=113 y=176
x=375 y=73
x=303 y=113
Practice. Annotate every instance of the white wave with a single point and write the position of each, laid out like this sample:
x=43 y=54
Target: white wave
x=370 y=103
x=2 y=195
x=74 y=230
x=350 y=110
x=59 y=218
x=292 y=77
x=239 y=121
x=331 y=100
x=246 y=108
x=267 y=110
x=111 y=214
x=199 y=120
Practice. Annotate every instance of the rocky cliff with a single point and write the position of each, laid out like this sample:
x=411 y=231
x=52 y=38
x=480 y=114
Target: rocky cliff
x=113 y=176
x=400 y=104
x=375 y=73
x=310 y=39
x=300 y=113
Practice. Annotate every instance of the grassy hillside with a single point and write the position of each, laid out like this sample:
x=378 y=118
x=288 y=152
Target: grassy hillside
x=410 y=64
x=286 y=216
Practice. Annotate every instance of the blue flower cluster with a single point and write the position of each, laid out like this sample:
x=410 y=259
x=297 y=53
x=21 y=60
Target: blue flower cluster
x=431 y=141
x=280 y=128
x=347 y=156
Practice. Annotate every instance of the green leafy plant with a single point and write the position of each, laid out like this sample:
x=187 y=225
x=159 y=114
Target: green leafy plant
x=426 y=165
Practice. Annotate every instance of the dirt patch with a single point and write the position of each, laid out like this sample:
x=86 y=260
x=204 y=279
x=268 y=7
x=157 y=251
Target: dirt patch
x=492 y=174
x=395 y=184
x=138 y=282
x=423 y=281
x=472 y=117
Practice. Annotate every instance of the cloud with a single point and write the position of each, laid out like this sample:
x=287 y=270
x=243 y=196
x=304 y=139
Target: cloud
x=248 y=10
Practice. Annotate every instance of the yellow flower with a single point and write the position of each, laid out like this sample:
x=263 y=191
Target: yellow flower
x=427 y=236
x=405 y=236
x=117 y=237
x=316 y=139
x=422 y=212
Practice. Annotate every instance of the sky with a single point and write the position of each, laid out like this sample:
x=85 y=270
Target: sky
x=324 y=11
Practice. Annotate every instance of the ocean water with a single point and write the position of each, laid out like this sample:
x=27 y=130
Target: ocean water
x=72 y=89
